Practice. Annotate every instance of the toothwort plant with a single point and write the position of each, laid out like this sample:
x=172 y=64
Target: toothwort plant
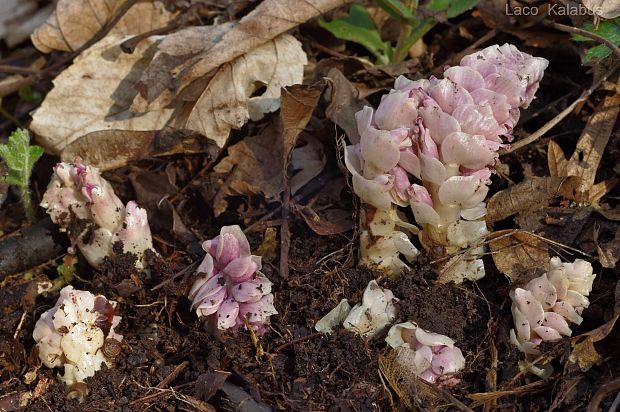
x=432 y=145
x=73 y=332
x=82 y=202
x=229 y=288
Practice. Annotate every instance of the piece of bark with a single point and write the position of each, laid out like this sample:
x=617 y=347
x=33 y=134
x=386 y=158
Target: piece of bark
x=31 y=247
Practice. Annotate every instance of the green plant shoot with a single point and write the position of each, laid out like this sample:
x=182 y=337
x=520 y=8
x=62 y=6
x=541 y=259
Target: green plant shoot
x=609 y=29
x=20 y=158
x=359 y=27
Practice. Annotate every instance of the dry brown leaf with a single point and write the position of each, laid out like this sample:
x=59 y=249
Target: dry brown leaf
x=117 y=148
x=227 y=104
x=584 y=353
x=94 y=94
x=607 y=9
x=19 y=18
x=307 y=162
x=267 y=21
x=587 y=156
x=556 y=160
x=344 y=102
x=608 y=253
x=74 y=22
x=532 y=194
x=335 y=220
x=257 y=164
x=518 y=253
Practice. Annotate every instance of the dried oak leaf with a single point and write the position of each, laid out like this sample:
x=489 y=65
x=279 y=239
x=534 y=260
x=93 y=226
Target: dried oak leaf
x=94 y=95
x=258 y=164
x=587 y=156
x=607 y=9
x=268 y=20
x=583 y=353
x=334 y=221
x=75 y=22
x=533 y=194
x=518 y=254
x=227 y=102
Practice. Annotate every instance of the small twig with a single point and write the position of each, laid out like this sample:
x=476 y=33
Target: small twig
x=172 y=375
x=176 y=275
x=6 y=68
x=20 y=324
x=285 y=233
x=570 y=29
x=294 y=341
x=604 y=391
x=557 y=119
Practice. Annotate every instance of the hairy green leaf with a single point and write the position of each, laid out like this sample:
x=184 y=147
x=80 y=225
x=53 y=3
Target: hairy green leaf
x=359 y=27
x=20 y=157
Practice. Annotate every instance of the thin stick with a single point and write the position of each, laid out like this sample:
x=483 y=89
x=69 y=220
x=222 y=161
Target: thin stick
x=557 y=119
x=172 y=375
x=285 y=233
x=570 y=29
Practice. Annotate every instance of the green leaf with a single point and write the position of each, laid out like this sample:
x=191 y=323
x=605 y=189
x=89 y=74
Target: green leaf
x=609 y=30
x=20 y=157
x=452 y=8
x=396 y=8
x=28 y=94
x=359 y=27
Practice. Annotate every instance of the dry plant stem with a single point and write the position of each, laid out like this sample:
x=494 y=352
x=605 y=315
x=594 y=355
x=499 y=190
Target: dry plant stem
x=570 y=29
x=604 y=391
x=557 y=119
x=285 y=232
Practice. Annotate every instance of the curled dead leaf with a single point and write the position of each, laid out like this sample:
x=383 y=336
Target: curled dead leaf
x=228 y=102
x=268 y=20
x=94 y=94
x=74 y=22
x=334 y=221
x=534 y=193
x=518 y=254
x=607 y=9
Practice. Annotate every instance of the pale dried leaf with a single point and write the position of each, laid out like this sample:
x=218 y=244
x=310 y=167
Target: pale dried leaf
x=608 y=253
x=556 y=160
x=94 y=94
x=11 y=10
x=587 y=156
x=600 y=189
x=268 y=20
x=116 y=148
x=307 y=161
x=533 y=194
x=344 y=102
x=74 y=22
x=19 y=18
x=518 y=254
x=227 y=104
x=253 y=166
x=607 y=9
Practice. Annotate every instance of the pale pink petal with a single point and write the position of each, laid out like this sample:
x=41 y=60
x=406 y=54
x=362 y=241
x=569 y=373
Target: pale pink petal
x=439 y=123
x=432 y=339
x=432 y=170
x=547 y=334
x=401 y=183
x=449 y=95
x=498 y=103
x=467 y=191
x=470 y=151
x=364 y=119
x=423 y=357
x=258 y=311
x=465 y=77
x=375 y=192
x=424 y=213
x=576 y=299
x=208 y=289
x=429 y=376
x=206 y=266
x=379 y=150
x=557 y=322
x=395 y=111
x=419 y=193
x=238 y=267
x=210 y=305
x=449 y=360
x=252 y=290
x=227 y=249
x=567 y=310
x=479 y=120
x=529 y=306
x=543 y=291
x=522 y=324
x=227 y=314
x=410 y=162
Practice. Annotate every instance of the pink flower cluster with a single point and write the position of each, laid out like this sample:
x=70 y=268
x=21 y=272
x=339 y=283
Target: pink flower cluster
x=230 y=288
x=431 y=143
x=80 y=200
x=72 y=333
x=430 y=356
x=543 y=309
